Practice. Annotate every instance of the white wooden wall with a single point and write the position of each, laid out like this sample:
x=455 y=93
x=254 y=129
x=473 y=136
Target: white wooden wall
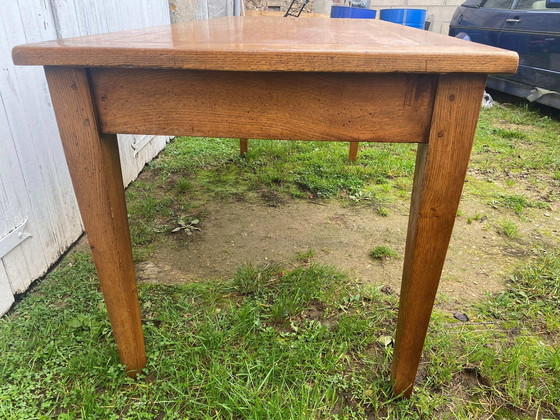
x=187 y=10
x=39 y=217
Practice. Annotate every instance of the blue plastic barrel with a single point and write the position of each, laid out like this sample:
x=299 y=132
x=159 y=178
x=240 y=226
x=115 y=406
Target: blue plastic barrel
x=352 y=12
x=414 y=18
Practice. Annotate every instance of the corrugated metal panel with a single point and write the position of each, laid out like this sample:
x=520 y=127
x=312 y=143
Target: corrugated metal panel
x=34 y=181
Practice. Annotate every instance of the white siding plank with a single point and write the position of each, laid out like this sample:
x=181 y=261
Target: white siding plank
x=16 y=206
x=78 y=18
x=34 y=180
x=10 y=214
x=33 y=135
x=6 y=295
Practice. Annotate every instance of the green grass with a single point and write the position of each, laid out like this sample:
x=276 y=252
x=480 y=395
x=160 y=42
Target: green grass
x=382 y=252
x=516 y=139
x=306 y=256
x=508 y=229
x=194 y=171
x=533 y=295
x=382 y=211
x=516 y=203
x=299 y=169
x=275 y=343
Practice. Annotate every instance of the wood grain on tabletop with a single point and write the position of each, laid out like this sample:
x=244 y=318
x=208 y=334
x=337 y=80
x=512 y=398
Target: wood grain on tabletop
x=93 y=161
x=264 y=43
x=268 y=105
x=441 y=166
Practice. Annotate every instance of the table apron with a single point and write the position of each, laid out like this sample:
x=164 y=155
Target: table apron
x=269 y=105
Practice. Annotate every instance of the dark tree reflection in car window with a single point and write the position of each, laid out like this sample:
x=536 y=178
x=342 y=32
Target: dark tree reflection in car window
x=473 y=3
x=497 y=4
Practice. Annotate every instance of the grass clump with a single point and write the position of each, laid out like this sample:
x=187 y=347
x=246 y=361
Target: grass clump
x=533 y=295
x=508 y=229
x=382 y=252
x=306 y=256
x=294 y=289
x=515 y=139
x=183 y=185
x=382 y=211
x=516 y=203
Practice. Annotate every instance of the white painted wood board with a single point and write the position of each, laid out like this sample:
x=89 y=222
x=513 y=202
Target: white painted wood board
x=34 y=180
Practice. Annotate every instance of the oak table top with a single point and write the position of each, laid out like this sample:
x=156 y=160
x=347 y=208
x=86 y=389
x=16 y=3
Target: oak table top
x=269 y=77
x=253 y=43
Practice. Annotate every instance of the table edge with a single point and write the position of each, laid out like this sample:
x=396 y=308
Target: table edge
x=501 y=61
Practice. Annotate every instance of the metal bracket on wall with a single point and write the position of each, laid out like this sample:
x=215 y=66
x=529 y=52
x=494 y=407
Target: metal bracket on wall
x=13 y=239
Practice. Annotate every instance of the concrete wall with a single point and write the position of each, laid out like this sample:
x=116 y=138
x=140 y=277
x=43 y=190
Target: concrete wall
x=439 y=11
x=188 y=10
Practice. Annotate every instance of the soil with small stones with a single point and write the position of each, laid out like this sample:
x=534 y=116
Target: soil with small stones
x=270 y=230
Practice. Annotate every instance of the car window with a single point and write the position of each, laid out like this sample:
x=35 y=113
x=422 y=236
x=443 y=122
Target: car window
x=497 y=4
x=532 y=5
x=473 y=3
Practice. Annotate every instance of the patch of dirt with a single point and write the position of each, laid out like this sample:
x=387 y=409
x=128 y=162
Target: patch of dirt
x=158 y=272
x=236 y=233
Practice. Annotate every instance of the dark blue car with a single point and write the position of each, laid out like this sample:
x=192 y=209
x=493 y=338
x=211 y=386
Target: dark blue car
x=530 y=27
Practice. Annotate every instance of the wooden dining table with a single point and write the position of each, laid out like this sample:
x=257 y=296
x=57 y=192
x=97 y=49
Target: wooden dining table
x=261 y=77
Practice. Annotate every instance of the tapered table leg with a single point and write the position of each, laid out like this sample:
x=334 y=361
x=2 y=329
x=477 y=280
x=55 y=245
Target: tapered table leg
x=353 y=151
x=243 y=146
x=93 y=160
x=441 y=166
